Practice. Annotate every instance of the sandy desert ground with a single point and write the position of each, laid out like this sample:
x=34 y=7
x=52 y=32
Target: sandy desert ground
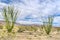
x=37 y=36
x=54 y=35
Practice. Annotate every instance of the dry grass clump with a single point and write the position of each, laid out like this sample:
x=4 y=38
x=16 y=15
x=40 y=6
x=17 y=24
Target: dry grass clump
x=27 y=28
x=21 y=29
x=31 y=28
x=1 y=26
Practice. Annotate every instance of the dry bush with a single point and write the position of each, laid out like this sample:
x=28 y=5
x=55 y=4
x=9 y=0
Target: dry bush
x=1 y=27
x=31 y=28
x=21 y=29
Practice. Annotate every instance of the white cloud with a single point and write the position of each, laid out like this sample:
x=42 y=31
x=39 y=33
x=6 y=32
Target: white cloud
x=56 y=21
x=36 y=8
x=29 y=22
x=33 y=7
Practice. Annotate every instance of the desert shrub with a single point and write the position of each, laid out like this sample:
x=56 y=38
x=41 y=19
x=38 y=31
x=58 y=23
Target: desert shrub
x=15 y=29
x=58 y=29
x=21 y=29
x=40 y=28
x=10 y=17
x=48 y=25
x=31 y=28
x=1 y=27
x=34 y=28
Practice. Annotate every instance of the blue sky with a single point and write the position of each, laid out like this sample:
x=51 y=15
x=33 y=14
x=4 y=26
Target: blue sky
x=30 y=11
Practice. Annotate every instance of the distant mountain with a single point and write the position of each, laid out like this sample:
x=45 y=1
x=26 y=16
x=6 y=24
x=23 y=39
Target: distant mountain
x=2 y=22
x=18 y=24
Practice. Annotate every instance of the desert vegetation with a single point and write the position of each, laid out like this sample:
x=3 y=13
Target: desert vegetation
x=10 y=17
x=48 y=25
x=9 y=31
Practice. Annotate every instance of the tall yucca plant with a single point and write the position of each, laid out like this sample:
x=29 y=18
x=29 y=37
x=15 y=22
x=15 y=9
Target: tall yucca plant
x=10 y=16
x=48 y=25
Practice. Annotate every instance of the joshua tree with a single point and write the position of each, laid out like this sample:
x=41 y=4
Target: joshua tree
x=48 y=25
x=10 y=17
